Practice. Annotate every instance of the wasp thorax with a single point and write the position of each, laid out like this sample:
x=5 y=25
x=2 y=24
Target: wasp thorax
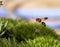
x=38 y=20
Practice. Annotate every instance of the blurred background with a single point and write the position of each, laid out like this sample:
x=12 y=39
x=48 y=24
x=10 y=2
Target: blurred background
x=28 y=9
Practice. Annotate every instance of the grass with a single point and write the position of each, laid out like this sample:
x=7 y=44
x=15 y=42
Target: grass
x=37 y=42
x=24 y=34
x=42 y=42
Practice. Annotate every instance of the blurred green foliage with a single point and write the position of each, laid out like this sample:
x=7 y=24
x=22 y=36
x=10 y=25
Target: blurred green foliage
x=25 y=34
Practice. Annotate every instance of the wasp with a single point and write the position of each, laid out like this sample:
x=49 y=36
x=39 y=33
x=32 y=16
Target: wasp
x=41 y=20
